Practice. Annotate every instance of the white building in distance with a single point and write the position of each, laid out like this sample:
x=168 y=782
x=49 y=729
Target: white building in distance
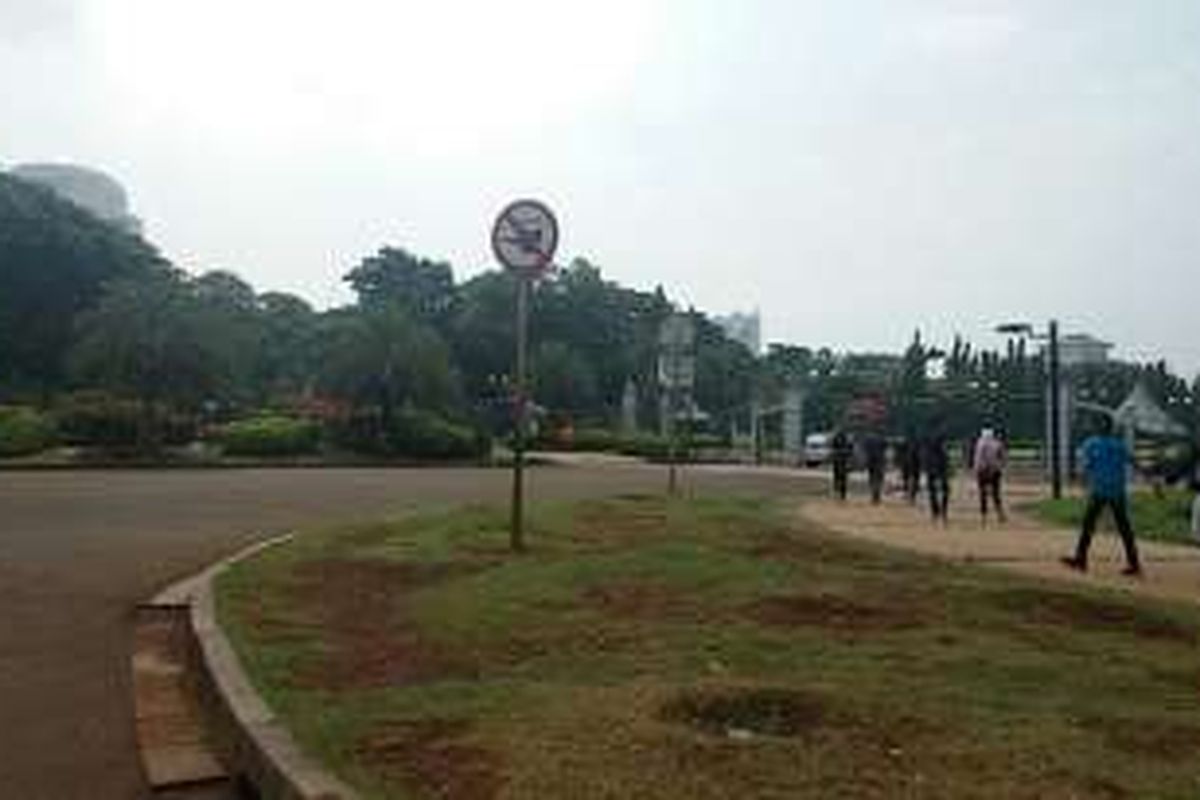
x=743 y=327
x=88 y=188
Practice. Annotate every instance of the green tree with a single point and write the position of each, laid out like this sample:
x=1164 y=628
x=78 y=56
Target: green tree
x=482 y=335
x=286 y=359
x=395 y=277
x=228 y=312
x=563 y=379
x=382 y=359
x=147 y=338
x=55 y=259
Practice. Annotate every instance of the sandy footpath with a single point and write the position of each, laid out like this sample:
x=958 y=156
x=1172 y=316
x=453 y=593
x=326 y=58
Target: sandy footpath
x=1022 y=543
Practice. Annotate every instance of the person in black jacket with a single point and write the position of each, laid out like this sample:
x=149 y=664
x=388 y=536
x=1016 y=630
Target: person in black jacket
x=908 y=461
x=1185 y=468
x=875 y=455
x=936 y=462
x=840 y=456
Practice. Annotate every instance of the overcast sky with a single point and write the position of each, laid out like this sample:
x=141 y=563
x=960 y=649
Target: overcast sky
x=853 y=168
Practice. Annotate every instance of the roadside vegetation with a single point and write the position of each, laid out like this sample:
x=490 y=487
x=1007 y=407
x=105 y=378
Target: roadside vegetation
x=1157 y=515
x=712 y=648
x=131 y=356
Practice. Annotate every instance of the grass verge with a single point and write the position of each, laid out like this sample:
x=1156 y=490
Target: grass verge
x=706 y=649
x=1164 y=516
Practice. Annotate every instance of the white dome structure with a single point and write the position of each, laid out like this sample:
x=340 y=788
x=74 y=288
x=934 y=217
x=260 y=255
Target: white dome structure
x=87 y=188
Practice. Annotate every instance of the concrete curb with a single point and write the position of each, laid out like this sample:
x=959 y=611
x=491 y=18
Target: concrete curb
x=255 y=745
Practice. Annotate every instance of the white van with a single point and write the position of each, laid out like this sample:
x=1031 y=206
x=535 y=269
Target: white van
x=817 y=449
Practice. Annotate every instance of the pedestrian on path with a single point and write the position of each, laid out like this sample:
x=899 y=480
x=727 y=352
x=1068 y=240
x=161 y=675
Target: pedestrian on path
x=908 y=461
x=1186 y=469
x=1196 y=514
x=1106 y=459
x=841 y=453
x=937 y=475
x=989 y=462
x=875 y=454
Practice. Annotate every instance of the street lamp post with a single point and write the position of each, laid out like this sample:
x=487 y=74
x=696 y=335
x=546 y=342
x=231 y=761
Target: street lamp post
x=1055 y=400
x=1055 y=415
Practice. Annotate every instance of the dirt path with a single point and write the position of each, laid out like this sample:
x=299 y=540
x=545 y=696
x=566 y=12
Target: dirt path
x=1022 y=544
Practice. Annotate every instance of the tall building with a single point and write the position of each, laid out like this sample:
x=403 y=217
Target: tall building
x=87 y=188
x=745 y=328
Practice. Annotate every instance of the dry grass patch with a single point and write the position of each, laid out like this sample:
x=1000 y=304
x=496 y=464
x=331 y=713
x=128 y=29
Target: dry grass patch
x=705 y=649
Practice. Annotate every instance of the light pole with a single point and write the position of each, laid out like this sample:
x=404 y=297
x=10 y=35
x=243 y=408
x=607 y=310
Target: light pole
x=1051 y=337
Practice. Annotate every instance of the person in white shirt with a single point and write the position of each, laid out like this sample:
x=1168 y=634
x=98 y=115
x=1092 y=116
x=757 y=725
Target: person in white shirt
x=989 y=461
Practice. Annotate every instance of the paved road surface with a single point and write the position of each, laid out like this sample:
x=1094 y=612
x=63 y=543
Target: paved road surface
x=79 y=549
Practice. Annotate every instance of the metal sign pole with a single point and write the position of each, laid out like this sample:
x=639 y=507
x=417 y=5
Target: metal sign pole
x=676 y=375
x=524 y=238
x=521 y=419
x=672 y=456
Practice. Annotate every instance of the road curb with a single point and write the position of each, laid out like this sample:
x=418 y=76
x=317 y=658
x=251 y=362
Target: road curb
x=254 y=744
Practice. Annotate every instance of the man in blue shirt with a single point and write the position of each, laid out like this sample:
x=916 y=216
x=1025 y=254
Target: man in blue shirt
x=1105 y=461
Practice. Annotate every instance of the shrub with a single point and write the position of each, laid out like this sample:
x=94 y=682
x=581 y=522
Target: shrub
x=24 y=431
x=648 y=445
x=654 y=447
x=423 y=434
x=98 y=419
x=708 y=441
x=597 y=440
x=270 y=436
x=412 y=433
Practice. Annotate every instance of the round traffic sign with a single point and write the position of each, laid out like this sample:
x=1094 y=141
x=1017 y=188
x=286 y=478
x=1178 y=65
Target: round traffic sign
x=525 y=237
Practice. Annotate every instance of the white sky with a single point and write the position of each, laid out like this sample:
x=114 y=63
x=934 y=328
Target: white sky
x=854 y=168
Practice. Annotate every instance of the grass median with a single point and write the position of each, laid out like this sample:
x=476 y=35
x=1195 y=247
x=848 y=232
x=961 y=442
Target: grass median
x=712 y=648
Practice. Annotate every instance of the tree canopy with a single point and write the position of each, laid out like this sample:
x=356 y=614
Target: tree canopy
x=86 y=305
x=55 y=259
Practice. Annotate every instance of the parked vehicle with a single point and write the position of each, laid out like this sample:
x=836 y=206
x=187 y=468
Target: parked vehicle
x=817 y=449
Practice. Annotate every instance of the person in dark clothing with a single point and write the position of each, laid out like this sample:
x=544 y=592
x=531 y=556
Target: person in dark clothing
x=875 y=454
x=1184 y=467
x=908 y=461
x=937 y=475
x=841 y=453
x=1106 y=459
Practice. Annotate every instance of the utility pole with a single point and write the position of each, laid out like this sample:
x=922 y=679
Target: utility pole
x=1056 y=477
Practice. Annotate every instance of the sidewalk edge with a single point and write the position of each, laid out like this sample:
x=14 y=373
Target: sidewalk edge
x=254 y=743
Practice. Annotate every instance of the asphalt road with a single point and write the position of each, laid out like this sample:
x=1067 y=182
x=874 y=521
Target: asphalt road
x=78 y=550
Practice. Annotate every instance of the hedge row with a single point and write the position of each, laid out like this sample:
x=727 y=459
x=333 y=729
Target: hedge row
x=113 y=425
x=24 y=431
x=270 y=436
x=644 y=445
x=410 y=433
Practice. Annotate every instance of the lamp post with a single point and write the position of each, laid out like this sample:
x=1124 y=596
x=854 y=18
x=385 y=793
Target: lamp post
x=1024 y=329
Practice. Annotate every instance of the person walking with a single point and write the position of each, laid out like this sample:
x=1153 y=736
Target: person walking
x=841 y=453
x=875 y=454
x=1186 y=469
x=937 y=475
x=989 y=461
x=908 y=461
x=1106 y=458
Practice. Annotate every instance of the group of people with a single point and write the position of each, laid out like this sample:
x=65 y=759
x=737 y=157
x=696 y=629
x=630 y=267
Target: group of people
x=917 y=457
x=1106 y=462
